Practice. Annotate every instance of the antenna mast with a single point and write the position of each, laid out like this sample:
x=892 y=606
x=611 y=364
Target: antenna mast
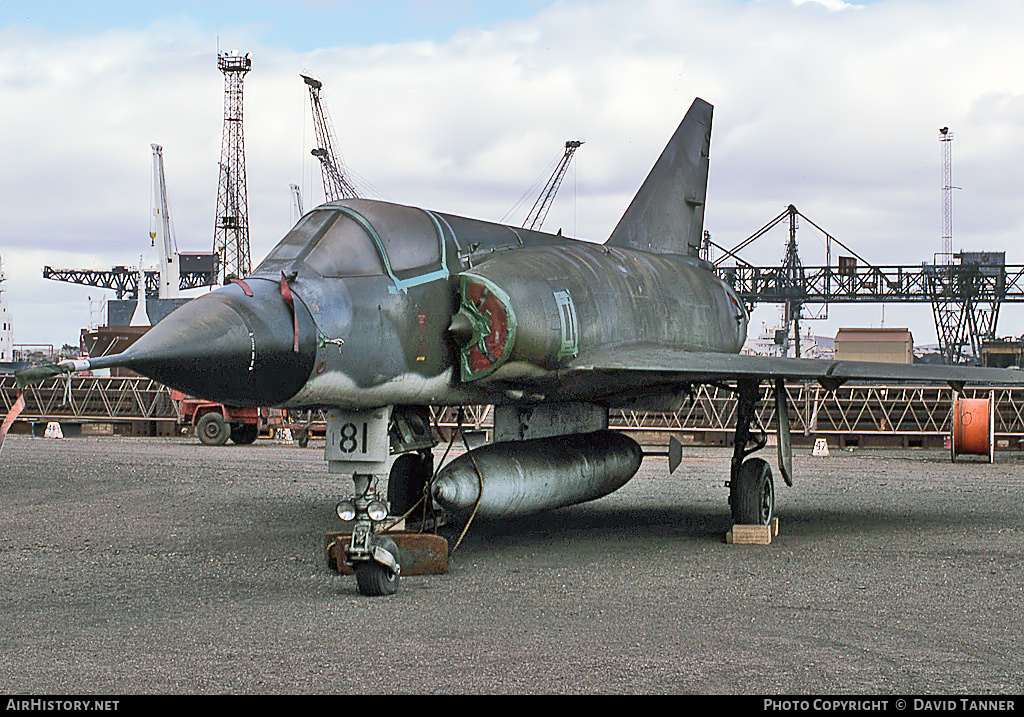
x=946 y=140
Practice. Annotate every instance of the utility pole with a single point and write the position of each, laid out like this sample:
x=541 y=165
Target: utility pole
x=231 y=230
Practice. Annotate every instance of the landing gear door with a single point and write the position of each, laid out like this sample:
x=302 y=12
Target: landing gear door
x=784 y=442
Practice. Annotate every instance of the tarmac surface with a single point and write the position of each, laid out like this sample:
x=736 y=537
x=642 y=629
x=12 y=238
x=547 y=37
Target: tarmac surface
x=146 y=565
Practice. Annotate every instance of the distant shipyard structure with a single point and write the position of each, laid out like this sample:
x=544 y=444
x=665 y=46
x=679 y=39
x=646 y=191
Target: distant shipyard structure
x=6 y=328
x=176 y=271
x=180 y=271
x=965 y=289
x=336 y=182
x=231 y=230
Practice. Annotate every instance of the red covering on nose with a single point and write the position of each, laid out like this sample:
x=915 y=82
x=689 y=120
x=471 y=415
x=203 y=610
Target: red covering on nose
x=245 y=287
x=12 y=415
x=286 y=293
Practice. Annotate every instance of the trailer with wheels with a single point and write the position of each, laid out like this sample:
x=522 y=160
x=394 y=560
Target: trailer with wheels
x=214 y=423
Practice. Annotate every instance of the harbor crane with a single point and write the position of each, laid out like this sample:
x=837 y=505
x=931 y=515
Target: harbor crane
x=540 y=209
x=170 y=266
x=336 y=185
x=176 y=271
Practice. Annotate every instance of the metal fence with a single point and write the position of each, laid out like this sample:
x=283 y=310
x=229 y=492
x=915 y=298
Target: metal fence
x=92 y=398
x=896 y=410
x=852 y=409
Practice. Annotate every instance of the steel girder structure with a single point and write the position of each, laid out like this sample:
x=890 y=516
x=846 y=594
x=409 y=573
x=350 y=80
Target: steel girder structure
x=125 y=281
x=92 y=398
x=231 y=229
x=852 y=409
x=877 y=283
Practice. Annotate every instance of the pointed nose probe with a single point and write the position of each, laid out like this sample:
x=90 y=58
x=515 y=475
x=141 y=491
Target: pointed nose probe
x=229 y=347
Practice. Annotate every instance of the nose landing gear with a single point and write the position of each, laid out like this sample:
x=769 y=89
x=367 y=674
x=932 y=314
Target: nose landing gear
x=358 y=444
x=372 y=556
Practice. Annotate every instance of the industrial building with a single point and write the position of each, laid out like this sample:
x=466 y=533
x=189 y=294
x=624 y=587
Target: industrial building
x=871 y=344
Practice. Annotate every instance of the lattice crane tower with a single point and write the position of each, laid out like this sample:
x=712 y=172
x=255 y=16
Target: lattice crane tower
x=231 y=231
x=946 y=141
x=539 y=212
x=336 y=184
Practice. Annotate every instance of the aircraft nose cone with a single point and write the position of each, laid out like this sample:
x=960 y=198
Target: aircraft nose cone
x=230 y=347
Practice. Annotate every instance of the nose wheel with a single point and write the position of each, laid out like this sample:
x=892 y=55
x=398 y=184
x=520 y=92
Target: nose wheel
x=373 y=557
x=375 y=579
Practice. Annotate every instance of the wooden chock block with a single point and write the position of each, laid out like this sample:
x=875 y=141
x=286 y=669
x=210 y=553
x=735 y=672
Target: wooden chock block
x=753 y=534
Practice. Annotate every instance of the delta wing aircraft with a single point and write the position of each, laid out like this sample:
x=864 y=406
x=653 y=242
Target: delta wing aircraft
x=378 y=311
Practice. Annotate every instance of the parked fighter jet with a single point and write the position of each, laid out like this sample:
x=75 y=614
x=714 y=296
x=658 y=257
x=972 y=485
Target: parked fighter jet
x=378 y=311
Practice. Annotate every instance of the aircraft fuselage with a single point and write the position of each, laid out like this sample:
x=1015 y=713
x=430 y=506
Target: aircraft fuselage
x=367 y=304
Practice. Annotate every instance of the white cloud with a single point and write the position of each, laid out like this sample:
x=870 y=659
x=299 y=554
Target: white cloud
x=833 y=5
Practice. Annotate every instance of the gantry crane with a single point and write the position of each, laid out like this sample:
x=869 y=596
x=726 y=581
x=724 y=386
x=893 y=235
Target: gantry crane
x=973 y=283
x=540 y=208
x=177 y=271
x=336 y=185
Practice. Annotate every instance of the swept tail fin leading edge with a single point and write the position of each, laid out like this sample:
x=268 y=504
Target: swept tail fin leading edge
x=667 y=215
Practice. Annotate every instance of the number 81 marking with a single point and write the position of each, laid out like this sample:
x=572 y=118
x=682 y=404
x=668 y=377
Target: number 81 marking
x=349 y=436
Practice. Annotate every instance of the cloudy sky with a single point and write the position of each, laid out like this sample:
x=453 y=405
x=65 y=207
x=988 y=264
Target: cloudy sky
x=464 y=107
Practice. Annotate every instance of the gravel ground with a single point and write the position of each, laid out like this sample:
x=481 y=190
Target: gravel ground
x=143 y=565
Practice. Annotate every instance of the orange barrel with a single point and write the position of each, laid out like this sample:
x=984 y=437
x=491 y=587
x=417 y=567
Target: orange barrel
x=973 y=427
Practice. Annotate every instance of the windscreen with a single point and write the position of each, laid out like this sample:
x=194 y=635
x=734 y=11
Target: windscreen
x=345 y=249
x=301 y=234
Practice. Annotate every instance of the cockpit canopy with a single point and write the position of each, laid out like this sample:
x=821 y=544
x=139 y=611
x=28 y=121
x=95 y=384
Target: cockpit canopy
x=358 y=238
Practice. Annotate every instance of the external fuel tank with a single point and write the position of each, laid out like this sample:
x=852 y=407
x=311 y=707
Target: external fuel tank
x=521 y=477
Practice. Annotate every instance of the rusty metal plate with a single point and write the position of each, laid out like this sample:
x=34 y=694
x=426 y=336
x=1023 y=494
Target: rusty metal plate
x=419 y=553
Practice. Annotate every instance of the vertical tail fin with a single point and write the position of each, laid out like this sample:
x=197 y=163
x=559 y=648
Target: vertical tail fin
x=667 y=215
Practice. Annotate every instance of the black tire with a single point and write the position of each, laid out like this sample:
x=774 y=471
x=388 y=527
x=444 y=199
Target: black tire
x=303 y=438
x=213 y=430
x=375 y=579
x=245 y=433
x=752 y=494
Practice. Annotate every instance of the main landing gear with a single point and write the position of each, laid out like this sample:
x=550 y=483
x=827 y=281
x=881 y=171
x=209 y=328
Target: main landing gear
x=751 y=488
